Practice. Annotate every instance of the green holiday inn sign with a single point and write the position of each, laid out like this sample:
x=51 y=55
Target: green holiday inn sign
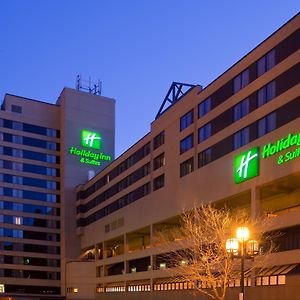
x=91 y=141
x=246 y=164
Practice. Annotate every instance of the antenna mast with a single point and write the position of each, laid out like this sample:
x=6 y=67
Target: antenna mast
x=88 y=85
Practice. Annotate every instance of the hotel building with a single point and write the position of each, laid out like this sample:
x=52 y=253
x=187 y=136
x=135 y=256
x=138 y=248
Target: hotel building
x=188 y=158
x=46 y=150
x=77 y=224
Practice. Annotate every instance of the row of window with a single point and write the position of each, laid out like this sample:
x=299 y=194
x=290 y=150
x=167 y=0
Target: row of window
x=183 y=285
x=158 y=162
x=30 y=208
x=47 y=184
x=116 y=205
x=239 y=82
x=28 y=141
x=116 y=188
x=129 y=162
x=30 y=168
x=255 y=70
x=32 y=289
x=276 y=119
x=244 y=136
x=24 y=247
x=27 y=221
x=27 y=234
x=123 y=166
x=33 y=155
x=29 y=261
x=258 y=68
x=29 y=274
x=264 y=95
x=32 y=195
x=29 y=128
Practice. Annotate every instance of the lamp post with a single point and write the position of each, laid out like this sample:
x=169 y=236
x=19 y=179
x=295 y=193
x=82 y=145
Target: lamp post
x=242 y=247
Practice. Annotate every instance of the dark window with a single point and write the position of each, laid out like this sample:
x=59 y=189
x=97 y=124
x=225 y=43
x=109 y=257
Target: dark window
x=266 y=63
x=204 y=107
x=204 y=157
x=287 y=238
x=187 y=120
x=241 y=109
x=116 y=205
x=187 y=167
x=40 y=143
x=158 y=182
x=16 y=109
x=241 y=137
x=159 y=140
x=159 y=161
x=35 y=129
x=116 y=188
x=241 y=81
x=267 y=124
x=204 y=132
x=35 y=169
x=187 y=143
x=266 y=93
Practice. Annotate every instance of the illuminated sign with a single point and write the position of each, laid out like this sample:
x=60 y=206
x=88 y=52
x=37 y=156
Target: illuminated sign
x=246 y=165
x=90 y=140
x=283 y=144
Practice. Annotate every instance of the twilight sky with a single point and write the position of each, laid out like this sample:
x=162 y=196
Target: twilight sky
x=137 y=48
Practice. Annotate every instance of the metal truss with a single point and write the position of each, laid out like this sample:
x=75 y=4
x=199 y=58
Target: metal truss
x=176 y=91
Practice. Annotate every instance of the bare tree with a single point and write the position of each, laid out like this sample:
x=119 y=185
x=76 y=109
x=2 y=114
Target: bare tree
x=200 y=257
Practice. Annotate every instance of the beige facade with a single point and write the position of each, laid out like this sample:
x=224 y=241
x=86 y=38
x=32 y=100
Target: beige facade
x=188 y=158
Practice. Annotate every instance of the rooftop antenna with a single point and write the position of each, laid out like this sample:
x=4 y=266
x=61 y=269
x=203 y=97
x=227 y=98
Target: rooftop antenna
x=88 y=85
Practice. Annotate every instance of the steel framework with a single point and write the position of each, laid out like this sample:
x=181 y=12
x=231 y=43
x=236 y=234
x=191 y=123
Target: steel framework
x=175 y=92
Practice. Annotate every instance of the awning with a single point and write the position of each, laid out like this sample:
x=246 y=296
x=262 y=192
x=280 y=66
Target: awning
x=169 y=280
x=277 y=270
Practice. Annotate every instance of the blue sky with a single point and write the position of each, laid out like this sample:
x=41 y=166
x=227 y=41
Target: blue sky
x=137 y=48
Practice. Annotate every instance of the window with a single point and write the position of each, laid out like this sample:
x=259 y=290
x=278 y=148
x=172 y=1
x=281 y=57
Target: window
x=241 y=138
x=17 y=125
x=266 y=93
x=204 y=107
x=241 y=81
x=17 y=166
x=187 y=120
x=241 y=109
x=51 y=132
x=204 y=157
x=204 y=132
x=187 y=167
x=267 y=124
x=17 y=139
x=51 y=146
x=158 y=182
x=159 y=161
x=187 y=143
x=16 y=109
x=50 y=158
x=266 y=63
x=159 y=140
x=17 y=152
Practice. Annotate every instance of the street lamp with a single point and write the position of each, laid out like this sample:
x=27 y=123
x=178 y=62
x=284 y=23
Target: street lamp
x=242 y=247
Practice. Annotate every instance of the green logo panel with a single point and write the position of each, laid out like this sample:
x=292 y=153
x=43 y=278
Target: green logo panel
x=246 y=165
x=90 y=139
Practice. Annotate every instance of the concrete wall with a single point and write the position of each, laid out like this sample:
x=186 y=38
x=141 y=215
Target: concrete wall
x=80 y=111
